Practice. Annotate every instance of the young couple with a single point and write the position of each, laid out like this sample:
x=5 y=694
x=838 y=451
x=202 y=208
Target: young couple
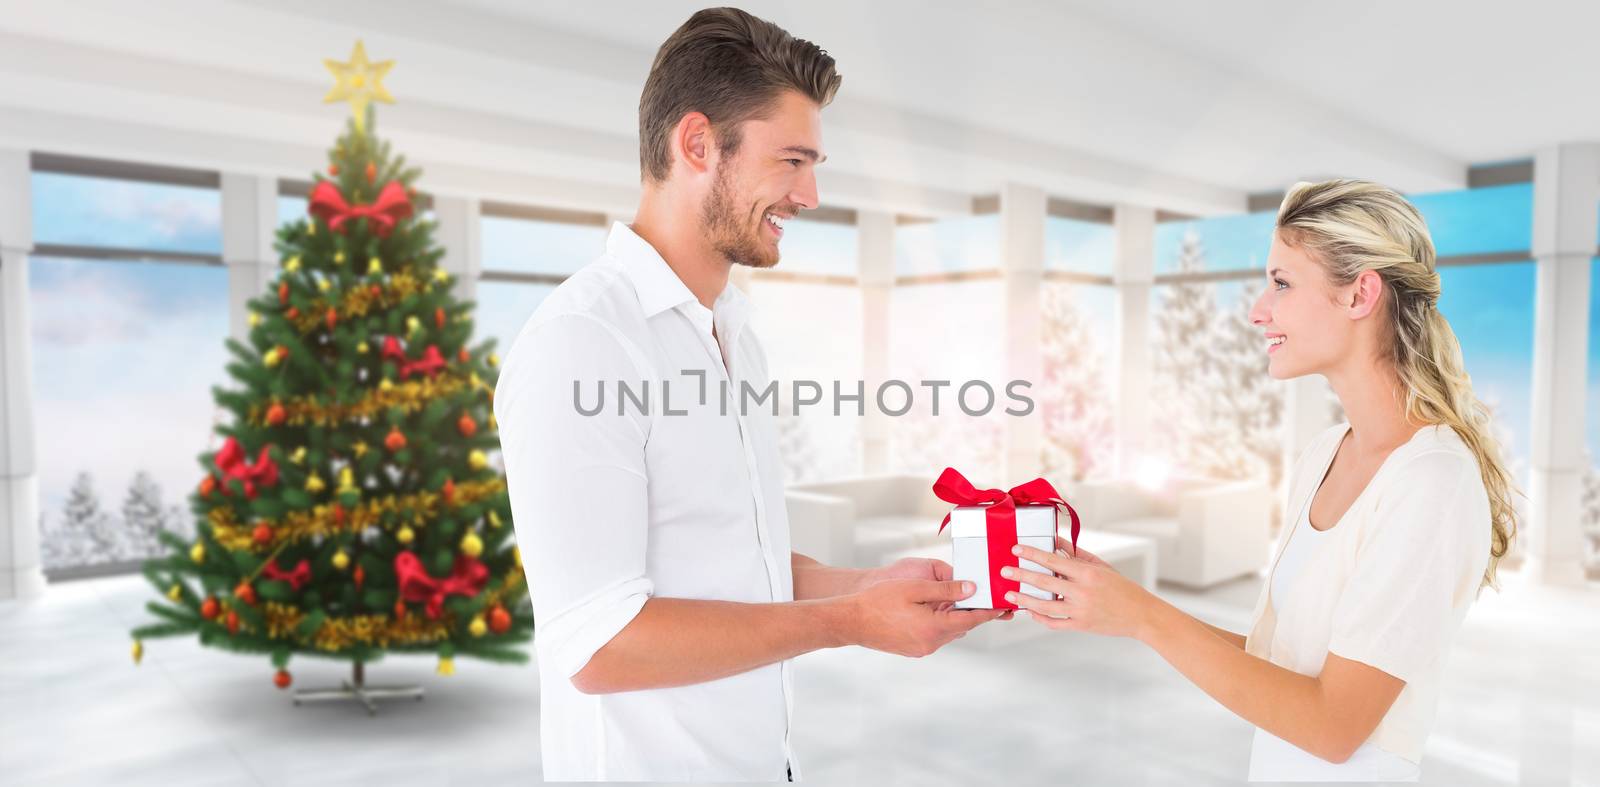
x=670 y=606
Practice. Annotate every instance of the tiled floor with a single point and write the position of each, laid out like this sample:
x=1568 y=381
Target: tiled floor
x=1521 y=705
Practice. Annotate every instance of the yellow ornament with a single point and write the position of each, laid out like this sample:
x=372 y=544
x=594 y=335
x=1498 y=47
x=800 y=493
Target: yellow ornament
x=175 y=592
x=477 y=460
x=516 y=554
x=255 y=319
x=338 y=258
x=494 y=519
x=440 y=276
x=447 y=666
x=478 y=627
x=471 y=545
x=384 y=384
x=271 y=357
x=299 y=455
x=347 y=480
x=311 y=229
x=324 y=285
x=362 y=348
x=406 y=534
x=138 y=651
x=494 y=360
x=341 y=561
x=358 y=81
x=292 y=264
x=197 y=553
x=413 y=324
x=493 y=425
x=314 y=484
x=375 y=266
x=359 y=448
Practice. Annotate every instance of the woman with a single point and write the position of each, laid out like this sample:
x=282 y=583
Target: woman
x=1395 y=520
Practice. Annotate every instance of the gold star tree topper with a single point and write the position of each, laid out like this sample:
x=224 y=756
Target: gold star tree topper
x=359 y=82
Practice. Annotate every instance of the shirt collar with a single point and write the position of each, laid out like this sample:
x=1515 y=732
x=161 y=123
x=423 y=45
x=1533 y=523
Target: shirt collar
x=660 y=289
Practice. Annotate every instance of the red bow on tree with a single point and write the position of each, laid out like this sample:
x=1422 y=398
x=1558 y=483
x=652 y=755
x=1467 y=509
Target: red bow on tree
x=391 y=206
x=299 y=576
x=467 y=579
x=430 y=363
x=232 y=464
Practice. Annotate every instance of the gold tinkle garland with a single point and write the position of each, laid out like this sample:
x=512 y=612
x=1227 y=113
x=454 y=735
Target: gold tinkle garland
x=323 y=520
x=336 y=634
x=358 y=300
x=409 y=396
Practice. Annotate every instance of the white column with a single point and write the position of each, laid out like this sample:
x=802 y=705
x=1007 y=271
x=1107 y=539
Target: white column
x=1132 y=275
x=21 y=576
x=875 y=260
x=1022 y=215
x=249 y=223
x=460 y=233
x=1566 y=196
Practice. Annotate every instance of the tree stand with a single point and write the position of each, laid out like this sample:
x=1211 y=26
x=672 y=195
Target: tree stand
x=357 y=689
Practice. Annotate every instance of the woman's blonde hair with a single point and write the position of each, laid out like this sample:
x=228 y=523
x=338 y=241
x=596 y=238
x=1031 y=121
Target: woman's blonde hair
x=1352 y=226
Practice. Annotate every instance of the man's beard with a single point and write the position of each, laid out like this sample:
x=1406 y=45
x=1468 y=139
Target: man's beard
x=729 y=236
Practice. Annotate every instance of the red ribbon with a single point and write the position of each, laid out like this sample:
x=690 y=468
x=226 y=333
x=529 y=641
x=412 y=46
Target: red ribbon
x=232 y=464
x=1000 y=521
x=391 y=206
x=299 y=576
x=467 y=579
x=430 y=363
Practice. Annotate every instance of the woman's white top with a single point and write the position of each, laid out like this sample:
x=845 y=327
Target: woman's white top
x=1387 y=586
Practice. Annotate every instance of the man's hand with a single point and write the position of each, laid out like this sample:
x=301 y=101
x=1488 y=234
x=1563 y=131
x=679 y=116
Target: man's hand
x=920 y=568
x=913 y=617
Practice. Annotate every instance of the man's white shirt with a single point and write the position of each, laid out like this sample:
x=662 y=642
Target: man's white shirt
x=613 y=508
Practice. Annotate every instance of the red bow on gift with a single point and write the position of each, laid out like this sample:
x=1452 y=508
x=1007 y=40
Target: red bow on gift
x=467 y=579
x=430 y=363
x=391 y=206
x=1000 y=520
x=232 y=464
x=299 y=576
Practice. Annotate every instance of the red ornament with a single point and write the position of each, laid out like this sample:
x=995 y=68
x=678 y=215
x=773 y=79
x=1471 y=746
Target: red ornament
x=375 y=290
x=206 y=485
x=262 y=534
x=233 y=622
x=333 y=318
x=467 y=426
x=399 y=608
x=283 y=294
x=338 y=514
x=244 y=592
x=333 y=170
x=449 y=490
x=499 y=619
x=360 y=576
x=282 y=679
x=283 y=353
x=293 y=313
x=395 y=441
x=372 y=172
x=464 y=356
x=209 y=608
x=438 y=316
x=275 y=414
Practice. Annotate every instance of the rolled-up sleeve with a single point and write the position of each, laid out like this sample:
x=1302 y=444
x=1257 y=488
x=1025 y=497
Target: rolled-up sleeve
x=1419 y=563
x=577 y=484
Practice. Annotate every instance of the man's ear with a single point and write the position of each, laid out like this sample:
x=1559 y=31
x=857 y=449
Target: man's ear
x=1365 y=295
x=692 y=143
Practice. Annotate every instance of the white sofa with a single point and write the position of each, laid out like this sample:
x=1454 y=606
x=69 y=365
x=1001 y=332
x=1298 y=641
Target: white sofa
x=1206 y=531
x=863 y=522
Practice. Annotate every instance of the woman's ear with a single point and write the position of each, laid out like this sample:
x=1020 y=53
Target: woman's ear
x=1364 y=295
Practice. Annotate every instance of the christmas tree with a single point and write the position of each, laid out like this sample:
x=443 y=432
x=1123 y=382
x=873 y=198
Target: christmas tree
x=1076 y=410
x=351 y=509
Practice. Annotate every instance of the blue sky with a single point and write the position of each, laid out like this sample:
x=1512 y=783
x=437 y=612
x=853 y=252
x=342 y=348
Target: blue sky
x=125 y=354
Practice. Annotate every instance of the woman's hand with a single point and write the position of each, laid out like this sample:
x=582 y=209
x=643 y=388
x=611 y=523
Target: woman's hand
x=1093 y=596
x=918 y=568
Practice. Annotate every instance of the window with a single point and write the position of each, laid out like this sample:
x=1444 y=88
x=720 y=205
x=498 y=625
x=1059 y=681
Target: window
x=812 y=332
x=1079 y=246
x=502 y=309
x=969 y=243
x=78 y=210
x=1479 y=221
x=820 y=247
x=1229 y=242
x=518 y=245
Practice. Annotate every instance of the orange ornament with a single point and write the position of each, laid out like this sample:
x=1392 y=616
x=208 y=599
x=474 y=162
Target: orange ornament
x=333 y=170
x=282 y=679
x=464 y=355
x=438 y=316
x=283 y=294
x=499 y=619
x=399 y=609
x=262 y=534
x=448 y=491
x=206 y=485
x=233 y=622
x=360 y=576
x=293 y=313
x=395 y=441
x=338 y=514
x=467 y=426
x=209 y=608
x=372 y=172
x=333 y=319
x=375 y=290
x=275 y=414
x=283 y=353
x=244 y=592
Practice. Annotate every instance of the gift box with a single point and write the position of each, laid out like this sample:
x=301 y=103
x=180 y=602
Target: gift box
x=987 y=523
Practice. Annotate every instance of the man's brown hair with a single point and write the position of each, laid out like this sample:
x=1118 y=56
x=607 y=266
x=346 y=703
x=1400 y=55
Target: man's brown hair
x=731 y=67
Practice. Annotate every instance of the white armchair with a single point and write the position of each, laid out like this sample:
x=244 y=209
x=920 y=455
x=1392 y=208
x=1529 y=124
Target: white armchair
x=1206 y=531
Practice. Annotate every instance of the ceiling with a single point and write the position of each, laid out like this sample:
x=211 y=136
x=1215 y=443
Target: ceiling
x=1187 y=107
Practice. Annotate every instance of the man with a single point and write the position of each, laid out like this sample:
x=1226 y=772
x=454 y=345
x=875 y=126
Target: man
x=655 y=538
